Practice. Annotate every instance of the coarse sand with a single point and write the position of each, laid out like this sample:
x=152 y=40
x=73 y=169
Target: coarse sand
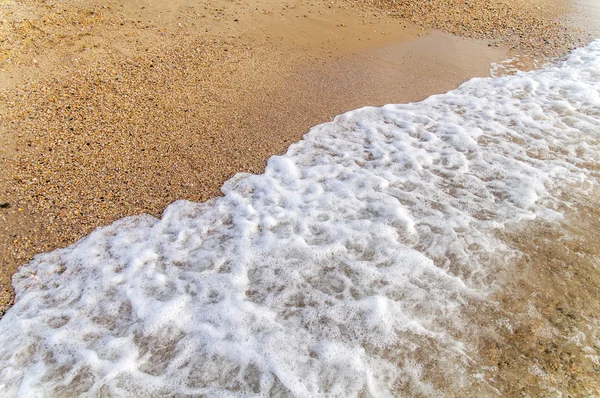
x=117 y=108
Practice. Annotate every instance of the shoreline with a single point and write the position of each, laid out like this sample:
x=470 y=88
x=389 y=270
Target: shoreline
x=55 y=188
x=96 y=127
x=489 y=262
x=132 y=129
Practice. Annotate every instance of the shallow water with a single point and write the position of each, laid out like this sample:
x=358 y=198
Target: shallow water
x=349 y=267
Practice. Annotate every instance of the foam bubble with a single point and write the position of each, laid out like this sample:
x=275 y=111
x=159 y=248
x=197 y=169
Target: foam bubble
x=343 y=270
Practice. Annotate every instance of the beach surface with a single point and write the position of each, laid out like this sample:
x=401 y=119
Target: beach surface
x=121 y=108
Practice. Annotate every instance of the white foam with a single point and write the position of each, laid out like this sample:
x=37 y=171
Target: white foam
x=342 y=270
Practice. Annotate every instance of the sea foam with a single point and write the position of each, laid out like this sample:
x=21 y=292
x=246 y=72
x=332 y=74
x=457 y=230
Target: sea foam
x=343 y=270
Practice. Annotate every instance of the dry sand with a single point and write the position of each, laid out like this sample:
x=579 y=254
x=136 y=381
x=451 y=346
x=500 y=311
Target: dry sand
x=116 y=108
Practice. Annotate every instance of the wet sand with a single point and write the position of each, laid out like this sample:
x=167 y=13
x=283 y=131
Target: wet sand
x=534 y=28
x=119 y=108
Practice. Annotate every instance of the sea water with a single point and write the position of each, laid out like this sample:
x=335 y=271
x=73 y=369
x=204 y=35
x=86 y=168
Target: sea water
x=345 y=269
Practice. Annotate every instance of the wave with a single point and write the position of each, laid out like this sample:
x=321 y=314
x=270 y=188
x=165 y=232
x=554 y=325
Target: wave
x=345 y=269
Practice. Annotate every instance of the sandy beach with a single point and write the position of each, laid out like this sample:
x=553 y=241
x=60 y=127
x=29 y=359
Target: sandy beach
x=110 y=109
x=119 y=109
